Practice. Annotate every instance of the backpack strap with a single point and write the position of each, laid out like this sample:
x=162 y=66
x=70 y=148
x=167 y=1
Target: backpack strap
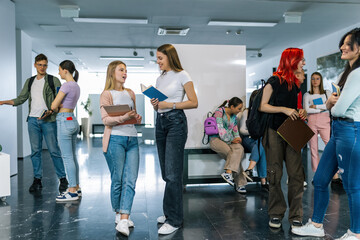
x=31 y=81
x=51 y=84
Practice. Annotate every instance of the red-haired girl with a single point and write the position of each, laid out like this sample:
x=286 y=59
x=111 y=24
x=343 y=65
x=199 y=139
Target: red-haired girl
x=284 y=105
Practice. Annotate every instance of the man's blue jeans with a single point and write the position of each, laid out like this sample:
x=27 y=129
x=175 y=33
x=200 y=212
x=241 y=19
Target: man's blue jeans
x=122 y=157
x=37 y=129
x=258 y=156
x=341 y=153
x=68 y=128
x=171 y=135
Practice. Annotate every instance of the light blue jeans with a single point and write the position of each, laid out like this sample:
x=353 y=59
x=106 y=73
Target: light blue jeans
x=37 y=129
x=341 y=153
x=122 y=157
x=67 y=130
x=258 y=156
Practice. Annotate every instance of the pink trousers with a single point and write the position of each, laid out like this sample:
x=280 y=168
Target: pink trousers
x=320 y=124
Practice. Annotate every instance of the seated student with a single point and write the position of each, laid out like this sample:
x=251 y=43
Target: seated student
x=228 y=143
x=257 y=157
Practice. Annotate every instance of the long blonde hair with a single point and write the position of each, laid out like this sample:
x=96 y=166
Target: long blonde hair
x=110 y=75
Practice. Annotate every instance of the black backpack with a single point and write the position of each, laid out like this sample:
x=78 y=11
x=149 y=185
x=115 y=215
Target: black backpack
x=50 y=81
x=257 y=122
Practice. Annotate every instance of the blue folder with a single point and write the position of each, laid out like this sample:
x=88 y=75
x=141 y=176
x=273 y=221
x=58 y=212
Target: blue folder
x=318 y=101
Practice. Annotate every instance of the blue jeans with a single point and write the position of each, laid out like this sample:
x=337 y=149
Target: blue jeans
x=37 y=129
x=171 y=135
x=68 y=128
x=122 y=157
x=341 y=153
x=258 y=156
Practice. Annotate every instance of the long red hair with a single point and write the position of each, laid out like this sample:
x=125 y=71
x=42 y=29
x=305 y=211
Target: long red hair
x=289 y=61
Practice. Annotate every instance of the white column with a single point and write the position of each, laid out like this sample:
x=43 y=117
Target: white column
x=8 y=114
x=24 y=65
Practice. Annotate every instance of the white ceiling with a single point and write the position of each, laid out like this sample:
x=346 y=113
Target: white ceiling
x=88 y=41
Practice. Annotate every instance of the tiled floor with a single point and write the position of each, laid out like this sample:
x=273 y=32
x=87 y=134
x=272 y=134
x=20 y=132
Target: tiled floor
x=211 y=211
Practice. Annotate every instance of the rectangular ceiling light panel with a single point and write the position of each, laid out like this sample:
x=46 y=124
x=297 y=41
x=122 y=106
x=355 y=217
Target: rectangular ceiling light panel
x=111 y=20
x=122 y=58
x=242 y=24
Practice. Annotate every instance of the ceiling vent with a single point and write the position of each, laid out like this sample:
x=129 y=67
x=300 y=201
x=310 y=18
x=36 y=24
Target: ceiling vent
x=292 y=17
x=169 y=31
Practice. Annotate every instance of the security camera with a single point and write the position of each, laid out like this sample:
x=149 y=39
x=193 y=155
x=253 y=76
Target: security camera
x=135 y=53
x=151 y=53
x=259 y=54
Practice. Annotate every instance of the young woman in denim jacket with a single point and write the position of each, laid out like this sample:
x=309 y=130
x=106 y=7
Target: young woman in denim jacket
x=171 y=132
x=228 y=143
x=342 y=153
x=68 y=127
x=120 y=144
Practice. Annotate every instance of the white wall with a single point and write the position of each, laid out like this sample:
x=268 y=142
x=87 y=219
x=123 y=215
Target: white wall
x=24 y=64
x=218 y=73
x=8 y=114
x=312 y=50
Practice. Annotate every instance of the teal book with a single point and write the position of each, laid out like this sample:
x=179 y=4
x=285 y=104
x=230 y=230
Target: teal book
x=152 y=92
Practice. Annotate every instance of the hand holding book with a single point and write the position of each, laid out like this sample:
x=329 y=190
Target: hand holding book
x=152 y=92
x=336 y=89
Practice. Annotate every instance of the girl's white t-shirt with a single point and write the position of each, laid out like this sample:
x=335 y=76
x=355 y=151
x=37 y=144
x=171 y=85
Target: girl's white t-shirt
x=123 y=97
x=172 y=85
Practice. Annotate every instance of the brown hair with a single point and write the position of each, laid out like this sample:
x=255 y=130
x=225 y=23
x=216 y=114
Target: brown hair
x=40 y=57
x=174 y=61
x=321 y=87
x=110 y=78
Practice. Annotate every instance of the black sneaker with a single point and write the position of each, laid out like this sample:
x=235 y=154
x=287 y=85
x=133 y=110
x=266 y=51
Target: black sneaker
x=337 y=181
x=275 y=222
x=36 y=185
x=265 y=187
x=63 y=185
x=296 y=223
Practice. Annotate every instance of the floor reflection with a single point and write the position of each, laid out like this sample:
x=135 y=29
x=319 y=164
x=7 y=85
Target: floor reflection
x=212 y=211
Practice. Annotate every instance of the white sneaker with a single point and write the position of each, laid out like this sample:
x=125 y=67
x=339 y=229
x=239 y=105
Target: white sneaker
x=117 y=220
x=309 y=230
x=348 y=236
x=241 y=189
x=123 y=227
x=161 y=219
x=228 y=178
x=167 y=229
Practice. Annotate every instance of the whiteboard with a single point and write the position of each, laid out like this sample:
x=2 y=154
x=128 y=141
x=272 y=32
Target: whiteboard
x=218 y=73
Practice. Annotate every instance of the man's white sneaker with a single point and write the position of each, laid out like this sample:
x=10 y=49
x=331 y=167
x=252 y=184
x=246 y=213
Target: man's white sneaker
x=309 y=230
x=123 y=227
x=117 y=220
x=161 y=219
x=167 y=229
x=348 y=236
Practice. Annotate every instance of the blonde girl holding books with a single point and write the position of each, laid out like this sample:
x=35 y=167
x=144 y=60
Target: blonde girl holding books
x=120 y=145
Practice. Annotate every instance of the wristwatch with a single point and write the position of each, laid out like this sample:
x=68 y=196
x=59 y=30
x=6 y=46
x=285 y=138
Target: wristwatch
x=174 y=106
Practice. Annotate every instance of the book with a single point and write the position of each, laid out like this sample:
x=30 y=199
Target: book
x=336 y=89
x=117 y=110
x=296 y=133
x=318 y=101
x=120 y=110
x=152 y=92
